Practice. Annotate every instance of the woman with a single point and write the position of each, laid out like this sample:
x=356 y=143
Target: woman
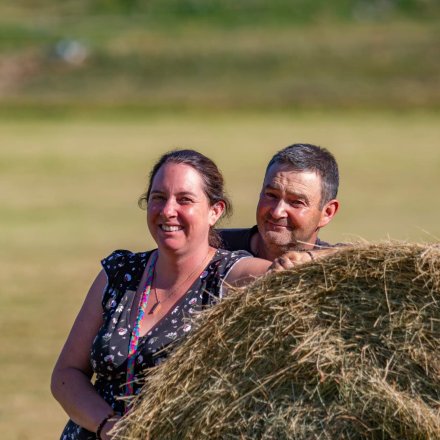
x=138 y=302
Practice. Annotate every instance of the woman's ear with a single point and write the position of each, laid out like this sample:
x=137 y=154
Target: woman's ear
x=215 y=212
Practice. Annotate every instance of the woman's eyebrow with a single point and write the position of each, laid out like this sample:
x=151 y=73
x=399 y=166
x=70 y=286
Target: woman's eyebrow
x=179 y=193
x=186 y=193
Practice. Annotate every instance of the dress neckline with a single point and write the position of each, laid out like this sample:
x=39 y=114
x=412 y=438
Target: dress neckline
x=176 y=303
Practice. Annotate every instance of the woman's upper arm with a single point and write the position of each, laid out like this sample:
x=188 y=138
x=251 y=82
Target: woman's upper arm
x=246 y=270
x=76 y=350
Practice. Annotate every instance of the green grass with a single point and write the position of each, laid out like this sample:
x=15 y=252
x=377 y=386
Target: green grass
x=136 y=64
x=69 y=197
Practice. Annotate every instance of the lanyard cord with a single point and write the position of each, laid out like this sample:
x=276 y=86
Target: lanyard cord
x=131 y=360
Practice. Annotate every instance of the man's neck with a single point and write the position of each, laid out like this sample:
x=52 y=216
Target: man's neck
x=261 y=250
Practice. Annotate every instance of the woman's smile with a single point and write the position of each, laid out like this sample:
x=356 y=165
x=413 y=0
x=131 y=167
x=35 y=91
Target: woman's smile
x=178 y=210
x=171 y=228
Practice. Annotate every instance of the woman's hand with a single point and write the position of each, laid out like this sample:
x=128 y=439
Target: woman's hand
x=105 y=432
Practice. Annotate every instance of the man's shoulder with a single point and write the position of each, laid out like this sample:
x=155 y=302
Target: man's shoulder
x=237 y=238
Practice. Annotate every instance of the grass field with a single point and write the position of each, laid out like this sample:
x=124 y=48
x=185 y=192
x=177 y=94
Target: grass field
x=138 y=64
x=69 y=193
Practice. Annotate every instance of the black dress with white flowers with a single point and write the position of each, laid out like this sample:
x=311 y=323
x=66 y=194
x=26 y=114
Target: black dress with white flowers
x=109 y=351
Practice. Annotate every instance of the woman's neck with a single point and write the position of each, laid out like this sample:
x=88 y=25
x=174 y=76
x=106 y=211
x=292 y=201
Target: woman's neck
x=171 y=269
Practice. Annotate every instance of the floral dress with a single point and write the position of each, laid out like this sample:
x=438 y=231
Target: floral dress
x=109 y=351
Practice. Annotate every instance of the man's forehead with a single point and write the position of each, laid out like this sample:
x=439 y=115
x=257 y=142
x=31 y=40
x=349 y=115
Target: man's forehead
x=277 y=172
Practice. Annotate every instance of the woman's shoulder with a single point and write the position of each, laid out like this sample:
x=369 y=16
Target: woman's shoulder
x=121 y=257
x=124 y=267
x=124 y=270
x=224 y=260
x=231 y=255
x=241 y=267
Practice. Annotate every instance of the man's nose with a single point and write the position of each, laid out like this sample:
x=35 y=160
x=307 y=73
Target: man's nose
x=279 y=209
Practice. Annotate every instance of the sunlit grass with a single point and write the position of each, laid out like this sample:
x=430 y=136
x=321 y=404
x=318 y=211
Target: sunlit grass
x=69 y=197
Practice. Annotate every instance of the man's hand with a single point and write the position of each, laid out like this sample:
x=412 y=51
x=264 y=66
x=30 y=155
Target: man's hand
x=289 y=260
x=292 y=259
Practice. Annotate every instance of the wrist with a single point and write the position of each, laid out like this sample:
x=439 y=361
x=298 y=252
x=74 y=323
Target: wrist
x=100 y=429
x=310 y=254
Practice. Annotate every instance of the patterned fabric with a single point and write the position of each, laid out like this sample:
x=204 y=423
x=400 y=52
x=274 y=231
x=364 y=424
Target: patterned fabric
x=109 y=351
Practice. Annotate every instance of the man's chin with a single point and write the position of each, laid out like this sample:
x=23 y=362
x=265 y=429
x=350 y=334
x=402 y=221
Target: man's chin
x=272 y=238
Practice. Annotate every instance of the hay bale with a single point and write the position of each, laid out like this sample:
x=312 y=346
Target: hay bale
x=344 y=348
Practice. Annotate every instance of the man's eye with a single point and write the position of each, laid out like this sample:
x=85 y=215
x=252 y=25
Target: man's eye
x=270 y=195
x=296 y=203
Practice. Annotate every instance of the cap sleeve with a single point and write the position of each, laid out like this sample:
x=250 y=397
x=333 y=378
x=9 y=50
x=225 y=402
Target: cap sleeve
x=229 y=261
x=217 y=271
x=122 y=268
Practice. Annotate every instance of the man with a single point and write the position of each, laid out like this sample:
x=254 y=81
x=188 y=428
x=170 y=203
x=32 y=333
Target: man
x=297 y=199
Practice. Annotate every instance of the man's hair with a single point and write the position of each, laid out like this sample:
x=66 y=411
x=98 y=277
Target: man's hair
x=308 y=157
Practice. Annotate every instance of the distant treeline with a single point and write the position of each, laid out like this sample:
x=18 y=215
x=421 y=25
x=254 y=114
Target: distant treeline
x=244 y=11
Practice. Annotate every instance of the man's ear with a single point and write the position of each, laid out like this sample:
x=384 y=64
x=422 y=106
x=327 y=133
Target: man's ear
x=328 y=212
x=215 y=212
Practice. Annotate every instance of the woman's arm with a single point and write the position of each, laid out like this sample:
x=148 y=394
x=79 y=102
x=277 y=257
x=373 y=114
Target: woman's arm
x=246 y=270
x=71 y=376
x=293 y=259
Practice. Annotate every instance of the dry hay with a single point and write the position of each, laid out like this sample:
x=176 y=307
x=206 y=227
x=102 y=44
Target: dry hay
x=344 y=348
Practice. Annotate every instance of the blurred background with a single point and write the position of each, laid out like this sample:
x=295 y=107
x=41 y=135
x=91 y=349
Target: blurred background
x=92 y=92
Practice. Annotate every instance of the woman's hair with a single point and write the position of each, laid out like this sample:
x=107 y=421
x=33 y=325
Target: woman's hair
x=213 y=182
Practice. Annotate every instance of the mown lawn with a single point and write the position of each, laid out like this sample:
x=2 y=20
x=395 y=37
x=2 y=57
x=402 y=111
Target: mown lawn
x=69 y=193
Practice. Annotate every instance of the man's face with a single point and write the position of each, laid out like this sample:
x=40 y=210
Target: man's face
x=288 y=212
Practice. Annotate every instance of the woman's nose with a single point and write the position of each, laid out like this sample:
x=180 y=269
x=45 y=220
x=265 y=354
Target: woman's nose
x=169 y=208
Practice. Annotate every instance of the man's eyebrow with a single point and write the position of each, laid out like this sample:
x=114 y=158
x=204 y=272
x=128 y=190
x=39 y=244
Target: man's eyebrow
x=297 y=194
x=269 y=186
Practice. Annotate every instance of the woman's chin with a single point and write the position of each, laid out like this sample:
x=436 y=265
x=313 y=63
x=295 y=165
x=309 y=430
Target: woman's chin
x=170 y=245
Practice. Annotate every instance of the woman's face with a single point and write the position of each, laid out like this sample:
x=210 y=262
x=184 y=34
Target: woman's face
x=178 y=212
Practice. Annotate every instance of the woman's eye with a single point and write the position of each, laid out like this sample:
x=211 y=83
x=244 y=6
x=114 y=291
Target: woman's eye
x=185 y=200
x=156 y=197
